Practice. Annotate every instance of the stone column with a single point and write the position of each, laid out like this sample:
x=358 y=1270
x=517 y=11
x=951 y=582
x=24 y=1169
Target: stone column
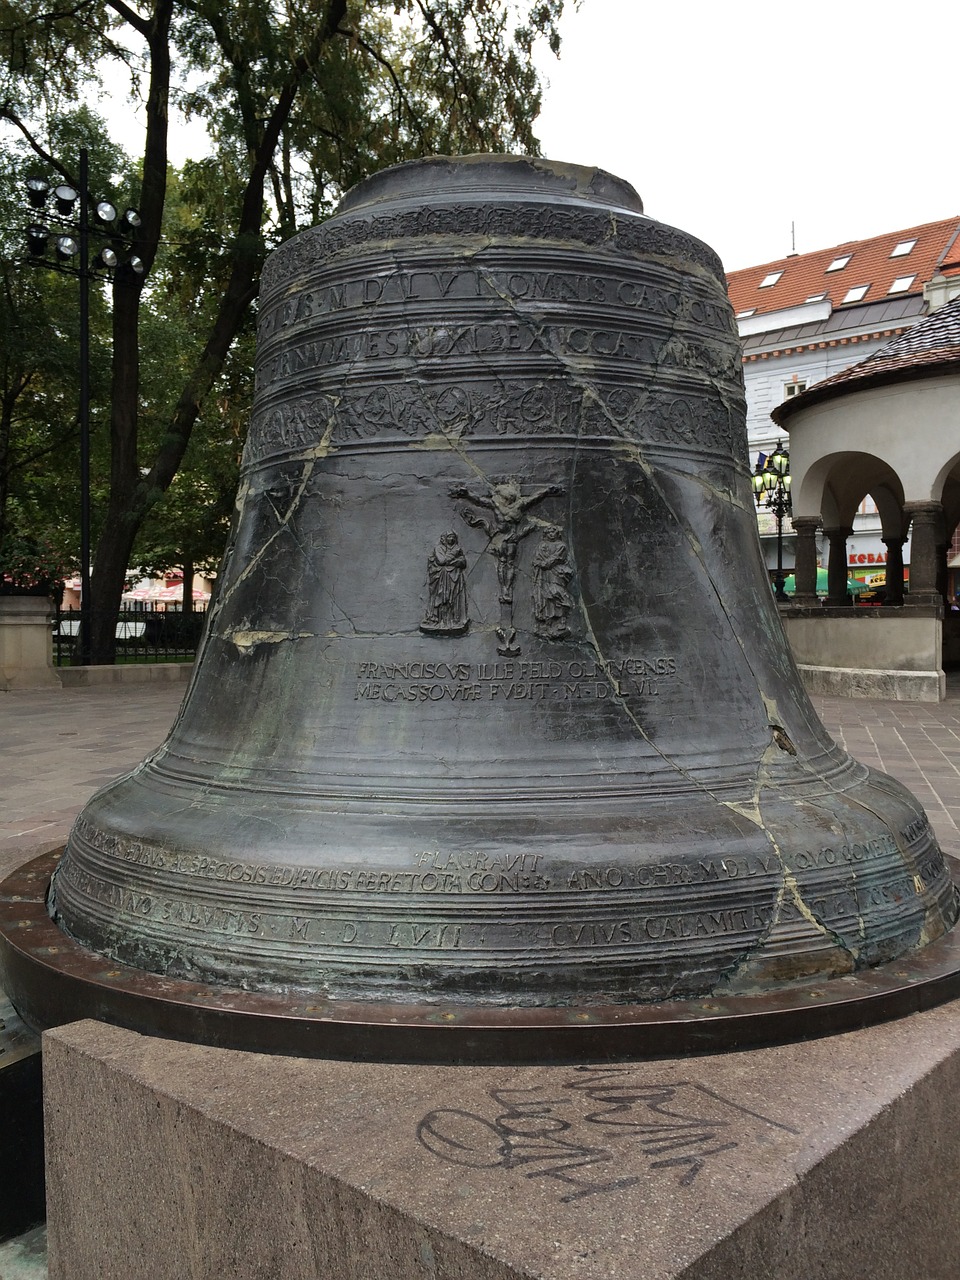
x=943 y=555
x=26 y=643
x=805 y=559
x=926 y=539
x=837 y=565
x=894 y=595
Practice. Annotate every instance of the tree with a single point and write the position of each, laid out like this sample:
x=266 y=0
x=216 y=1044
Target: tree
x=302 y=98
x=187 y=529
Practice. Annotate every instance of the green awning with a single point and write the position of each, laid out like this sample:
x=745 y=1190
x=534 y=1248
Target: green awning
x=854 y=587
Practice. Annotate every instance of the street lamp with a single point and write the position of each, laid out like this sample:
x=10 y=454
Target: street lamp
x=771 y=489
x=69 y=226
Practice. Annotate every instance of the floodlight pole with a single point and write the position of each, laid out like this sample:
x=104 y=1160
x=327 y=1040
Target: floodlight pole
x=85 y=637
x=38 y=234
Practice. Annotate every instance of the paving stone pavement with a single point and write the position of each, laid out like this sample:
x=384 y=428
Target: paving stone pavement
x=916 y=742
x=57 y=748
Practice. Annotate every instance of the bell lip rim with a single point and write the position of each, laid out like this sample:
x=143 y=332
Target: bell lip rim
x=52 y=980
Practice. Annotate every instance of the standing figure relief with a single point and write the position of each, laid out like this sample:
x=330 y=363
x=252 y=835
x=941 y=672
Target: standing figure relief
x=446 y=588
x=552 y=575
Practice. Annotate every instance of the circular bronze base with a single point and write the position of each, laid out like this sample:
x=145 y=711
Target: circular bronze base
x=52 y=980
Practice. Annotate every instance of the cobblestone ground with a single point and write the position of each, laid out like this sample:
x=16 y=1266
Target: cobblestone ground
x=57 y=748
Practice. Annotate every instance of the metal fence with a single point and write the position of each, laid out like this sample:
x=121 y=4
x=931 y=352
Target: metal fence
x=144 y=634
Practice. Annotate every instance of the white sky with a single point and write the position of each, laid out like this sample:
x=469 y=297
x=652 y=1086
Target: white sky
x=734 y=119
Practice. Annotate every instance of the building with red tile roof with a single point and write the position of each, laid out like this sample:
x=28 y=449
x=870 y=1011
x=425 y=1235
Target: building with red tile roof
x=806 y=318
x=884 y=427
x=894 y=265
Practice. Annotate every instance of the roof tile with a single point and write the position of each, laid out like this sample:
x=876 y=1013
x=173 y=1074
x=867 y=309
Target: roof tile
x=805 y=275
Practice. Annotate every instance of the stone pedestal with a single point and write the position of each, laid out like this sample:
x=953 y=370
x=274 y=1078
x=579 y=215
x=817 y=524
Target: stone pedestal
x=26 y=645
x=21 y=1127
x=869 y=653
x=834 y=1158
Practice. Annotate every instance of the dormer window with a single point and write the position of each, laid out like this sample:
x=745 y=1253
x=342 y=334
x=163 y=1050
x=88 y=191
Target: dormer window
x=856 y=294
x=839 y=263
x=901 y=284
x=902 y=249
x=770 y=279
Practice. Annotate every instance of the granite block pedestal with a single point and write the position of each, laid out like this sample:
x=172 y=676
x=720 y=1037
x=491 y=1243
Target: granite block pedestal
x=833 y=1158
x=26 y=650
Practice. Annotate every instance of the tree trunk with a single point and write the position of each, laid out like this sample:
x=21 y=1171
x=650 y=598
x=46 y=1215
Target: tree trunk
x=120 y=526
x=132 y=495
x=6 y=431
x=129 y=501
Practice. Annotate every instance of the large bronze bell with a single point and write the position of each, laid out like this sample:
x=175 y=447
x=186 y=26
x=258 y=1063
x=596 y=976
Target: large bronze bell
x=494 y=709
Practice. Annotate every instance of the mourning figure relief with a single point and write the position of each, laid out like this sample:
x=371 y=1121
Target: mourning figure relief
x=552 y=575
x=446 y=589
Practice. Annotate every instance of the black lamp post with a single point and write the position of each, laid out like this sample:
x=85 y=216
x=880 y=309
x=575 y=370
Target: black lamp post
x=70 y=229
x=771 y=488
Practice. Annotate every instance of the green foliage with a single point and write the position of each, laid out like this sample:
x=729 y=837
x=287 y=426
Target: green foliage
x=301 y=99
x=190 y=522
x=33 y=561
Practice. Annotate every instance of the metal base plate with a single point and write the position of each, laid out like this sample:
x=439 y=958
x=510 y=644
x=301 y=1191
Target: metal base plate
x=52 y=980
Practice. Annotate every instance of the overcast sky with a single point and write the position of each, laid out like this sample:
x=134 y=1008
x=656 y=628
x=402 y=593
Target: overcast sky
x=734 y=120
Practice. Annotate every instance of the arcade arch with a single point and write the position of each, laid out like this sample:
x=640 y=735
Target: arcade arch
x=836 y=486
x=887 y=427
x=889 y=442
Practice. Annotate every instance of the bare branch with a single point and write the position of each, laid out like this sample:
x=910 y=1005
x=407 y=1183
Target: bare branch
x=130 y=15
x=7 y=113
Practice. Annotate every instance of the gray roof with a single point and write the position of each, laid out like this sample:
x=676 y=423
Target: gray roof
x=929 y=348
x=845 y=320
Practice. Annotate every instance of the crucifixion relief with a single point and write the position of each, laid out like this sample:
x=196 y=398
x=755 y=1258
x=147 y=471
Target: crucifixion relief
x=502 y=516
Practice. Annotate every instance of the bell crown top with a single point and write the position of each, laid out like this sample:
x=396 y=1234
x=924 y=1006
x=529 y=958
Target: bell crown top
x=505 y=176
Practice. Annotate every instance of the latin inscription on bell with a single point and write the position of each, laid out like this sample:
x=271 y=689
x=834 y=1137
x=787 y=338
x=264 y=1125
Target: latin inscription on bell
x=505 y=680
